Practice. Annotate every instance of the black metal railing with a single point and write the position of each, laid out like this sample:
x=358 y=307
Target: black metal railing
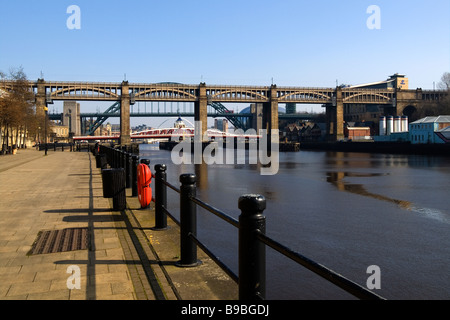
x=251 y=226
x=252 y=239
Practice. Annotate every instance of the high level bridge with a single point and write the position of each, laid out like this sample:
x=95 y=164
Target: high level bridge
x=203 y=95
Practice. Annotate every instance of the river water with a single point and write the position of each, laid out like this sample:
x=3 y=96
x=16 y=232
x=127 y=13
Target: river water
x=347 y=211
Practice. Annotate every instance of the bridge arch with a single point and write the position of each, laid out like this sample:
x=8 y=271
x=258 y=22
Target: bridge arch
x=305 y=96
x=165 y=93
x=237 y=94
x=81 y=91
x=355 y=97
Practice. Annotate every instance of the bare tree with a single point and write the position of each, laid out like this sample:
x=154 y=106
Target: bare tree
x=445 y=81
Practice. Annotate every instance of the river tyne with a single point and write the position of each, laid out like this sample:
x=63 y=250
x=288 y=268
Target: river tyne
x=346 y=211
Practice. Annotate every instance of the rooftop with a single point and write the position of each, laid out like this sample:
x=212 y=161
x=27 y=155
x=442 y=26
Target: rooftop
x=438 y=119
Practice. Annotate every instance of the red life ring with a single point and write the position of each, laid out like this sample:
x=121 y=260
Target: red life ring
x=144 y=178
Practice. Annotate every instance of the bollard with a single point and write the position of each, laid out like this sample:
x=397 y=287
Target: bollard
x=121 y=162
x=103 y=162
x=129 y=169
x=116 y=158
x=188 y=222
x=97 y=161
x=134 y=190
x=252 y=252
x=146 y=161
x=114 y=187
x=160 y=197
x=120 y=197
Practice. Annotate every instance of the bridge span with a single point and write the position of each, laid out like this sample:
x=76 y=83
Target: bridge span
x=202 y=95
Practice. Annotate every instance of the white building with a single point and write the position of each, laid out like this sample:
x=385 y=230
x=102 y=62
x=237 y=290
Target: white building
x=430 y=130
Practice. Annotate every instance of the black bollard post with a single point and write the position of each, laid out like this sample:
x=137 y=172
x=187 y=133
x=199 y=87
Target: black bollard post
x=121 y=161
x=116 y=158
x=114 y=187
x=120 y=197
x=160 y=197
x=252 y=252
x=146 y=161
x=188 y=221
x=134 y=190
x=103 y=161
x=129 y=169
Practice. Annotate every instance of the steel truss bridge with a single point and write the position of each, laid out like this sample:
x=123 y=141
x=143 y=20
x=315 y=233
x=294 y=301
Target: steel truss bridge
x=127 y=94
x=92 y=91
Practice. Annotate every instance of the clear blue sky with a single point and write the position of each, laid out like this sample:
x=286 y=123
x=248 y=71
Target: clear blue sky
x=236 y=42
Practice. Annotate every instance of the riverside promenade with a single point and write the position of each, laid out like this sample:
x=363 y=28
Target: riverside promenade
x=124 y=259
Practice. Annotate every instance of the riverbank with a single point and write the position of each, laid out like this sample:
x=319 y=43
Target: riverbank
x=379 y=147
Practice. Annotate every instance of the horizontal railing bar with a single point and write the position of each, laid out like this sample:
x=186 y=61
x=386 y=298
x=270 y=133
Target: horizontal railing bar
x=216 y=211
x=171 y=216
x=171 y=186
x=216 y=259
x=342 y=282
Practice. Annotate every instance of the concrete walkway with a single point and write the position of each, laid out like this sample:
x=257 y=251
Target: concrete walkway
x=125 y=258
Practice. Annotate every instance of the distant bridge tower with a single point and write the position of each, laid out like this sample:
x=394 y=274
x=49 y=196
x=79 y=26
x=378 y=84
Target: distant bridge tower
x=125 y=102
x=335 y=116
x=71 y=113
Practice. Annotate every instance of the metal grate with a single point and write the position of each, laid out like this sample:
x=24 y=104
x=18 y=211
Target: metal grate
x=60 y=241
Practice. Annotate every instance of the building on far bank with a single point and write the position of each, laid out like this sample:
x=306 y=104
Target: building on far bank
x=428 y=130
x=60 y=133
x=221 y=124
x=357 y=133
x=309 y=131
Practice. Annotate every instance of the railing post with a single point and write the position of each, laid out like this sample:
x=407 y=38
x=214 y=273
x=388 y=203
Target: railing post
x=252 y=252
x=114 y=158
x=160 y=197
x=188 y=221
x=122 y=159
x=128 y=169
x=134 y=190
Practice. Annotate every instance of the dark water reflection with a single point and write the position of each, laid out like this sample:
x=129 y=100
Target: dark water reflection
x=338 y=180
x=344 y=210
